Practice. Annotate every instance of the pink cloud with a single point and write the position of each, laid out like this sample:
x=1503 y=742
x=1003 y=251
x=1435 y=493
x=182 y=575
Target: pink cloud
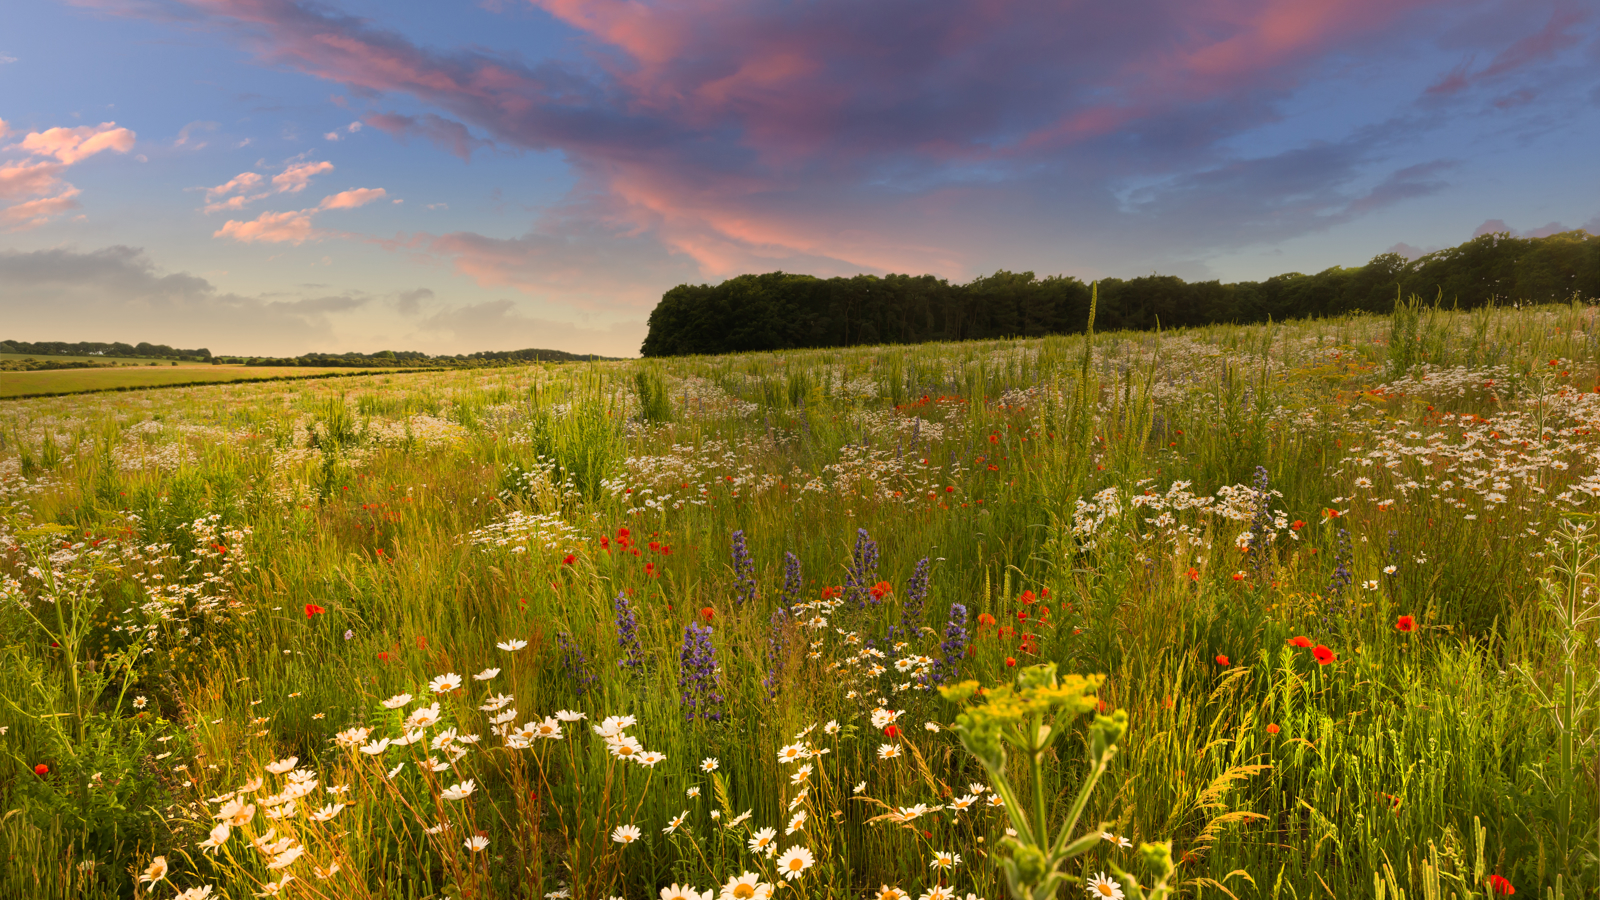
x=293 y=226
x=352 y=199
x=240 y=182
x=33 y=213
x=295 y=178
x=70 y=145
x=38 y=177
x=29 y=179
x=1556 y=36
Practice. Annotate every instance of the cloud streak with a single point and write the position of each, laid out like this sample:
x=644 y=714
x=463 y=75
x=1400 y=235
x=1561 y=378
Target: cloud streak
x=294 y=226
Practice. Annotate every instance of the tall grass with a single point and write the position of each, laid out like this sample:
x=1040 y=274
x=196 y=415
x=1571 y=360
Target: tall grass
x=270 y=562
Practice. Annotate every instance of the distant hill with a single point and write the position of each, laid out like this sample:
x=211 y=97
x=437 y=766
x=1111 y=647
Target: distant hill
x=777 y=311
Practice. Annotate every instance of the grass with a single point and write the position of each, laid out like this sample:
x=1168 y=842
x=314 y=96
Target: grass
x=119 y=360
x=205 y=580
x=144 y=375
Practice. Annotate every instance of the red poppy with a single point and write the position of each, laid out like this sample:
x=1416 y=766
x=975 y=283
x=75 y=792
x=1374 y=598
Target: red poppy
x=41 y=770
x=1010 y=661
x=1323 y=655
x=1022 y=615
x=1300 y=641
x=1406 y=624
x=879 y=590
x=892 y=731
x=950 y=489
x=1101 y=706
x=985 y=619
x=1221 y=660
x=571 y=558
x=707 y=612
x=1045 y=593
x=312 y=609
x=1194 y=574
x=1501 y=886
x=1027 y=597
x=1273 y=729
x=1298 y=524
x=1238 y=576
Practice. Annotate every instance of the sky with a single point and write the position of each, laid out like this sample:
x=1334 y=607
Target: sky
x=273 y=177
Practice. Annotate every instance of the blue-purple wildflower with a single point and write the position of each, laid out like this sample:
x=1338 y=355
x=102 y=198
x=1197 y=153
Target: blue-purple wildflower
x=744 y=572
x=863 y=571
x=575 y=664
x=954 y=649
x=697 y=679
x=628 y=634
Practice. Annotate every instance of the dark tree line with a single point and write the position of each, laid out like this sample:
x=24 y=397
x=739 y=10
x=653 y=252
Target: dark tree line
x=778 y=311
x=390 y=359
x=141 y=350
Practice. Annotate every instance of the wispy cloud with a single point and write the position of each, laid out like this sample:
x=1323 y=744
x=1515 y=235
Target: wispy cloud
x=294 y=226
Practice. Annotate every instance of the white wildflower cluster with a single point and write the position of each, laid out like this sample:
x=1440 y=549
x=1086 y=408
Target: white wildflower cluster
x=519 y=532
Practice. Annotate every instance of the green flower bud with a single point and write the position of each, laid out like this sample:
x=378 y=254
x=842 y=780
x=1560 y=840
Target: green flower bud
x=1158 y=857
x=1105 y=732
x=1030 y=863
x=1035 y=677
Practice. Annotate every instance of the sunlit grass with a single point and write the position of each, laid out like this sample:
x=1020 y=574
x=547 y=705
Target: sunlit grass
x=246 y=572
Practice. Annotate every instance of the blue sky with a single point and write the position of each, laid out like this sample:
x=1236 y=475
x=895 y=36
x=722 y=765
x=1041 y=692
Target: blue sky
x=504 y=174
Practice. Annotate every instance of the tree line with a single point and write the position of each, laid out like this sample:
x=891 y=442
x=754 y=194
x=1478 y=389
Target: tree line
x=400 y=359
x=141 y=350
x=778 y=310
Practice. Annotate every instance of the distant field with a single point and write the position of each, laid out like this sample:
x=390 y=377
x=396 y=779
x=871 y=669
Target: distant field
x=63 y=381
x=120 y=360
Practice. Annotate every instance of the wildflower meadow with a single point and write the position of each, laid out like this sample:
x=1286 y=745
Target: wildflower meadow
x=1299 y=610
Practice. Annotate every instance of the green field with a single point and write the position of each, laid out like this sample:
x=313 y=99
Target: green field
x=69 y=381
x=119 y=360
x=1318 y=598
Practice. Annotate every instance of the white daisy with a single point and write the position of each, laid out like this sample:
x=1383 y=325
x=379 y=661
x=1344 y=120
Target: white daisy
x=746 y=886
x=625 y=834
x=762 y=840
x=276 y=768
x=794 y=862
x=1102 y=887
x=486 y=674
x=397 y=701
x=445 y=683
x=512 y=645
